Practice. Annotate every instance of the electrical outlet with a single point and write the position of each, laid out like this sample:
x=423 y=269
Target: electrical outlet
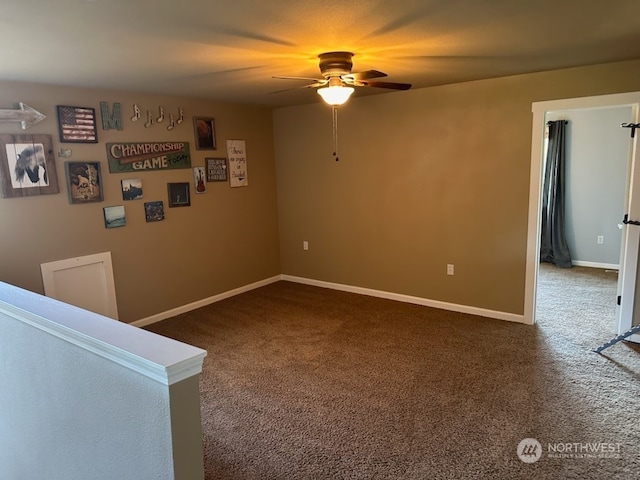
x=449 y=268
x=600 y=239
x=305 y=245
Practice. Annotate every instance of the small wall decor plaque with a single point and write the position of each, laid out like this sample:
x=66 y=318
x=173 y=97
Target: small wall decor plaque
x=131 y=189
x=154 y=211
x=114 y=216
x=216 y=169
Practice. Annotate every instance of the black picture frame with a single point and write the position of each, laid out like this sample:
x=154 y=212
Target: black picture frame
x=205 y=133
x=179 y=195
x=77 y=124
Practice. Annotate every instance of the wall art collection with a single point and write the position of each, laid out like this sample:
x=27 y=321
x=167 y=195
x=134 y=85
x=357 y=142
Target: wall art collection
x=27 y=162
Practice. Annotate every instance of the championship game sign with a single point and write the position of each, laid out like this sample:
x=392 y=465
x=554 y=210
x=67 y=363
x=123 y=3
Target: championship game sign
x=136 y=157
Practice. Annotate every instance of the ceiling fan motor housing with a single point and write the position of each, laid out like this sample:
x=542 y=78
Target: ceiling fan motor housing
x=334 y=64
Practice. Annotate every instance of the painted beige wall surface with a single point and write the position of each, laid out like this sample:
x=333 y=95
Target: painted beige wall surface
x=226 y=239
x=425 y=178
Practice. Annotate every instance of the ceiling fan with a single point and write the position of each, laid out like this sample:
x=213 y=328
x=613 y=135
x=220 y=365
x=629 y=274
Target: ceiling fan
x=338 y=81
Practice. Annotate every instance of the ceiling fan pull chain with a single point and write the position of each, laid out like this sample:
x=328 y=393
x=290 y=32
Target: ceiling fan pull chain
x=335 y=132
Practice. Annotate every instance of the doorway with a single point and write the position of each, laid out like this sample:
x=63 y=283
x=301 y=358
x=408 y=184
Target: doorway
x=541 y=110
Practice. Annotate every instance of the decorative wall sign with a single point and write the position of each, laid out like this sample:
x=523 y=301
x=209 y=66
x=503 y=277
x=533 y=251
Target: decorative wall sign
x=25 y=115
x=205 y=133
x=77 y=124
x=84 y=182
x=131 y=189
x=216 y=169
x=179 y=194
x=133 y=157
x=111 y=120
x=236 y=152
x=114 y=216
x=27 y=165
x=199 y=184
x=154 y=211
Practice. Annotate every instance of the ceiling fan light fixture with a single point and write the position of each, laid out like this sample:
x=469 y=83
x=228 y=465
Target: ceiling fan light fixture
x=335 y=94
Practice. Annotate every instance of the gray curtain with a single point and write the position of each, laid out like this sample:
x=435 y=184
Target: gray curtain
x=553 y=244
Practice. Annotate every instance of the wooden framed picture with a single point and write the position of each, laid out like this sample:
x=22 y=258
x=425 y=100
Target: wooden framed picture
x=27 y=166
x=179 y=194
x=77 y=124
x=205 y=133
x=154 y=211
x=216 y=169
x=84 y=182
x=114 y=216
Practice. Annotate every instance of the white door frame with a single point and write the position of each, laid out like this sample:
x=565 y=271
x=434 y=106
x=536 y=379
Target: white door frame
x=539 y=110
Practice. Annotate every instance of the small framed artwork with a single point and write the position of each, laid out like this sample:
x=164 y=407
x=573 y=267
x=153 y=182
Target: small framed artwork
x=114 y=216
x=205 y=133
x=179 y=194
x=216 y=169
x=77 y=124
x=84 y=182
x=27 y=166
x=131 y=189
x=199 y=183
x=154 y=211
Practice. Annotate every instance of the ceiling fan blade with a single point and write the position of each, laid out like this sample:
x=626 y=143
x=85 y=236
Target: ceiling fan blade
x=298 y=78
x=319 y=83
x=391 y=85
x=365 y=75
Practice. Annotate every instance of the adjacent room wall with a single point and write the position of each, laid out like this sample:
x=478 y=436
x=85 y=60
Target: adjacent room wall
x=426 y=178
x=597 y=156
x=227 y=238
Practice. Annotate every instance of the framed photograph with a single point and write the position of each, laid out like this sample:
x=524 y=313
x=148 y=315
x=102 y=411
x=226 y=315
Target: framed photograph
x=199 y=184
x=154 y=211
x=27 y=166
x=131 y=189
x=179 y=194
x=216 y=169
x=84 y=182
x=77 y=124
x=114 y=216
x=205 y=133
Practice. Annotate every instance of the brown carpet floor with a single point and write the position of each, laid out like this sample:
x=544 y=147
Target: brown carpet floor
x=303 y=382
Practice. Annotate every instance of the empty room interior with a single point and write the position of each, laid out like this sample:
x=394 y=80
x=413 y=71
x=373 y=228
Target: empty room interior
x=212 y=268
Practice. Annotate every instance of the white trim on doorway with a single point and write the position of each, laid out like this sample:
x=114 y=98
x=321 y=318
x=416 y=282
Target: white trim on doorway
x=539 y=110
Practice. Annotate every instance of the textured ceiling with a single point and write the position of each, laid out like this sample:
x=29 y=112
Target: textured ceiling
x=230 y=50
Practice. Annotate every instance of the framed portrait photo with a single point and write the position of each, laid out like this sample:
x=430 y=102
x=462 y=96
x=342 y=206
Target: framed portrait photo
x=27 y=166
x=205 y=133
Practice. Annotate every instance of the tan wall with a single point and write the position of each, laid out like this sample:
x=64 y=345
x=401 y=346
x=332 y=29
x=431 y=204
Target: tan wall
x=425 y=178
x=227 y=238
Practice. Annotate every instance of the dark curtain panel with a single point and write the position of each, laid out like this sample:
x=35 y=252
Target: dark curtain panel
x=553 y=244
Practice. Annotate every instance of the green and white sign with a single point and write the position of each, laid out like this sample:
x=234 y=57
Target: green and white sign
x=136 y=157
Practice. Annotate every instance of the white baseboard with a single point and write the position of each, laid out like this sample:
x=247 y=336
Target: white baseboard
x=606 y=266
x=511 y=317
x=204 y=302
